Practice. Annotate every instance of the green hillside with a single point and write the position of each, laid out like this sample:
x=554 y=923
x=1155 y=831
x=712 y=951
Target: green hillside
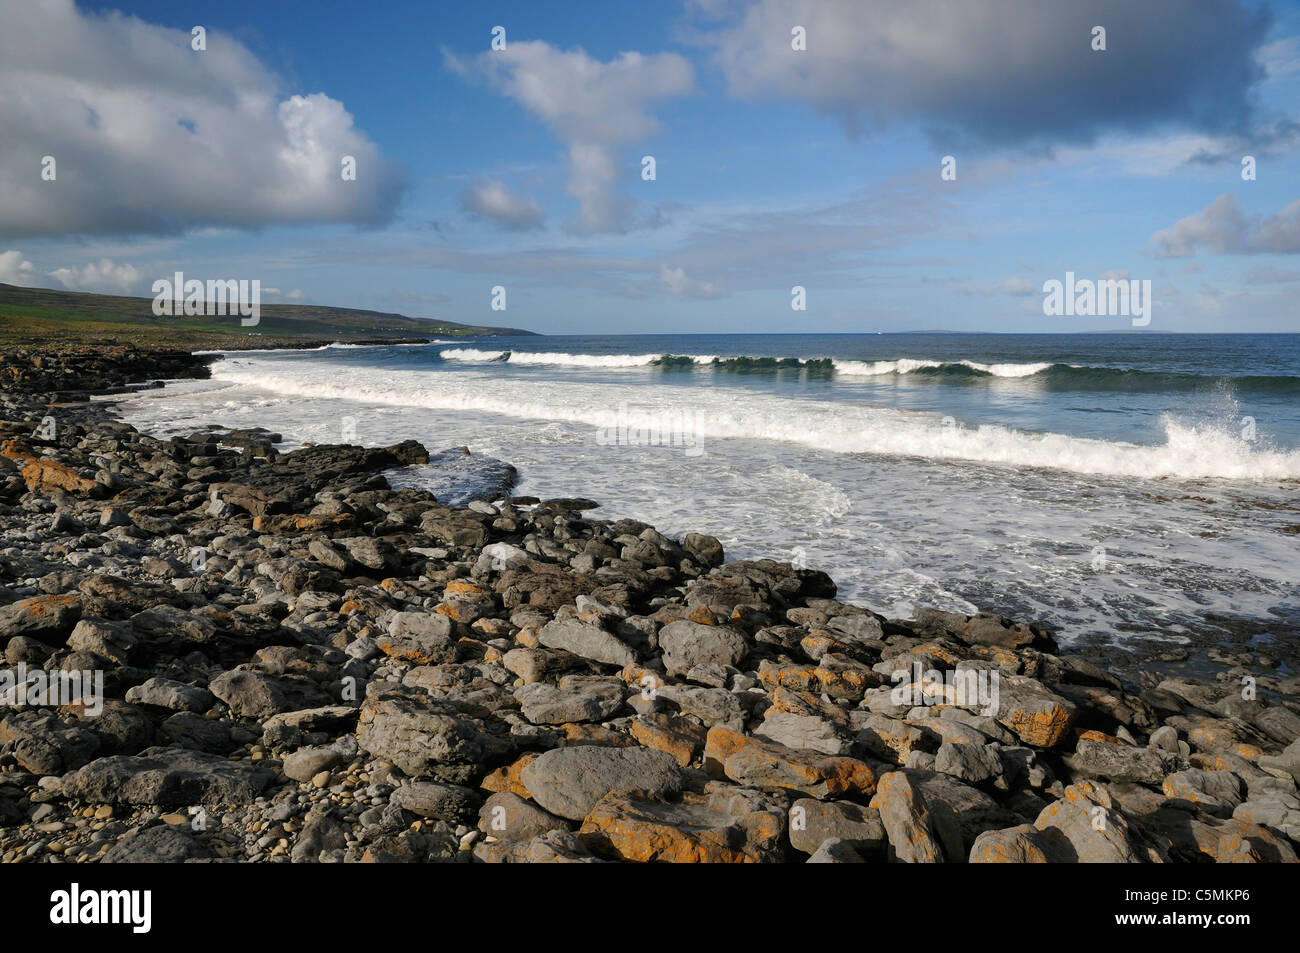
x=43 y=316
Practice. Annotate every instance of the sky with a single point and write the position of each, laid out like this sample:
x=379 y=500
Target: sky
x=794 y=143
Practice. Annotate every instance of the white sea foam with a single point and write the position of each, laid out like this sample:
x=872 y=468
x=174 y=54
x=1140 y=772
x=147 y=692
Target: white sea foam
x=907 y=365
x=471 y=354
x=1008 y=370
x=1188 y=452
x=849 y=368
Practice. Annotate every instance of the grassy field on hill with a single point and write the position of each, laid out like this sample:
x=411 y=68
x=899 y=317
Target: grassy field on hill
x=39 y=316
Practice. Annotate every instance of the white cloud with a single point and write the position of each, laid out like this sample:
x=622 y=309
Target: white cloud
x=105 y=276
x=1222 y=227
x=677 y=282
x=151 y=136
x=595 y=107
x=493 y=200
x=15 y=269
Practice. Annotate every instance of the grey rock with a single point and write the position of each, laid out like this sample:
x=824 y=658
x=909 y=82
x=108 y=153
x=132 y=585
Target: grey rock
x=569 y=781
x=167 y=844
x=1279 y=723
x=803 y=731
x=812 y=822
x=446 y=802
x=586 y=640
x=322 y=832
x=507 y=816
x=424 y=736
x=305 y=763
x=835 y=851
x=575 y=699
x=973 y=763
x=712 y=706
x=169 y=693
x=686 y=644
x=167 y=777
x=1112 y=762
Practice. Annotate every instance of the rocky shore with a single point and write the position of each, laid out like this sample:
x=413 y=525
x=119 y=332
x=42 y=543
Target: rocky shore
x=300 y=663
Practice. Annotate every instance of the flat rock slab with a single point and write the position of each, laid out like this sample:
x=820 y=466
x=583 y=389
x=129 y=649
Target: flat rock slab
x=727 y=825
x=47 y=618
x=812 y=822
x=766 y=764
x=157 y=845
x=253 y=694
x=569 y=781
x=167 y=777
x=169 y=693
x=586 y=640
x=573 y=700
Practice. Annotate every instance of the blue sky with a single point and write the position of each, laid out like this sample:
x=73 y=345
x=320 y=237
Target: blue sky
x=775 y=167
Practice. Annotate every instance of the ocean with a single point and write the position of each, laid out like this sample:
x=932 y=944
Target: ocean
x=1114 y=487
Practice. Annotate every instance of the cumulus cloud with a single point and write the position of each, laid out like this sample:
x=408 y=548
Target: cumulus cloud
x=1222 y=227
x=596 y=108
x=15 y=269
x=296 y=296
x=105 y=276
x=1005 y=72
x=491 y=199
x=151 y=136
x=676 y=282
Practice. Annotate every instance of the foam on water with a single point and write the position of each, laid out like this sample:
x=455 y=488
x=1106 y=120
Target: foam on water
x=1189 y=452
x=903 y=508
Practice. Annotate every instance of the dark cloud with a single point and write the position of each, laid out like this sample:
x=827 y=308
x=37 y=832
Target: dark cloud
x=1006 y=72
